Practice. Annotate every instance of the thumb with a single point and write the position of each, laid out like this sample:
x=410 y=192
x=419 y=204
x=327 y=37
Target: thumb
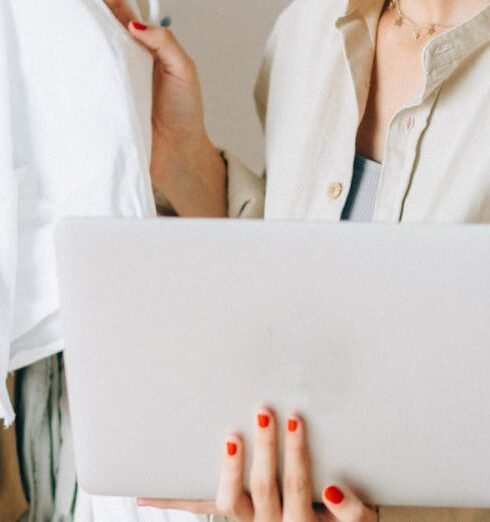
x=346 y=507
x=161 y=42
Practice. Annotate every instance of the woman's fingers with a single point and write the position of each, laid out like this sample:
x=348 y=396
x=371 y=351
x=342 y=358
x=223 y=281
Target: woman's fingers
x=121 y=11
x=198 y=507
x=158 y=40
x=263 y=478
x=297 y=486
x=162 y=43
x=341 y=504
x=346 y=507
x=231 y=499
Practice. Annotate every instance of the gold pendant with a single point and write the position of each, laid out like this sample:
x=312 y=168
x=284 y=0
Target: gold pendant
x=399 y=21
x=416 y=35
x=432 y=30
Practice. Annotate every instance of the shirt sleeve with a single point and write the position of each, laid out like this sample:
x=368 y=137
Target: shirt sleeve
x=246 y=190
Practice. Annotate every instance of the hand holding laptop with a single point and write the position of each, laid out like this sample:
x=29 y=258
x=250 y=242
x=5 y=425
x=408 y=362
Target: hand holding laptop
x=391 y=372
x=267 y=500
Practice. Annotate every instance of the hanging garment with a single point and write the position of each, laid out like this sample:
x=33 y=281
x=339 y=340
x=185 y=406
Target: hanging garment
x=75 y=137
x=45 y=445
x=8 y=216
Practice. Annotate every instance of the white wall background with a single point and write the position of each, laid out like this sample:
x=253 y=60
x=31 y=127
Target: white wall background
x=226 y=39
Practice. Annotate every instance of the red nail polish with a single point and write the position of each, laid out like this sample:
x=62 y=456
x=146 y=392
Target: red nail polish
x=231 y=448
x=292 y=425
x=139 y=26
x=263 y=420
x=334 y=495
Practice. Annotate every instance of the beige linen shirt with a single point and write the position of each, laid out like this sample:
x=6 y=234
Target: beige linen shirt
x=311 y=93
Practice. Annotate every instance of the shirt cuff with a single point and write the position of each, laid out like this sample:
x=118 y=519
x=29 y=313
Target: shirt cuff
x=246 y=190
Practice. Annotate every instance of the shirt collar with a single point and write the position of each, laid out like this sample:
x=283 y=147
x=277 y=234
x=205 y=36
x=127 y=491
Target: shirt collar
x=445 y=52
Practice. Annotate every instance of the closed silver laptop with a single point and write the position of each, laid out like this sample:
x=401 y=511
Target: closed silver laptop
x=177 y=330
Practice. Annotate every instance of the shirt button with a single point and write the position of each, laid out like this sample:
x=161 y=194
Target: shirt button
x=334 y=190
x=410 y=122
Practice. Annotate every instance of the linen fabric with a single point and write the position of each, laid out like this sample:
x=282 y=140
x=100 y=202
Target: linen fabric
x=311 y=93
x=75 y=136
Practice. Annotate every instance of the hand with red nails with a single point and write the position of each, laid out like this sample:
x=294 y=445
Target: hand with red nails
x=268 y=501
x=186 y=169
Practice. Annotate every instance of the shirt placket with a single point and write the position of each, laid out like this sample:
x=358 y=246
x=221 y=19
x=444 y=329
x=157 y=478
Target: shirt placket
x=358 y=47
x=441 y=58
x=406 y=131
x=400 y=157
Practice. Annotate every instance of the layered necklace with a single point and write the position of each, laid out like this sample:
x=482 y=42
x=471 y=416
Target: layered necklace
x=418 y=30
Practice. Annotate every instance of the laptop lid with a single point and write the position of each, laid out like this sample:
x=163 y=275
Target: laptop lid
x=177 y=330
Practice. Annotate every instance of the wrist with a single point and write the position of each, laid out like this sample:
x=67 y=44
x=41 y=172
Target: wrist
x=211 y=166
x=191 y=174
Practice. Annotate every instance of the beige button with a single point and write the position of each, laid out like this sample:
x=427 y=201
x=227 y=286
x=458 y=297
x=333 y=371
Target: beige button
x=334 y=190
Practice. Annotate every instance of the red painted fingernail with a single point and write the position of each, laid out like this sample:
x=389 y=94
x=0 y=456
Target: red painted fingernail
x=263 y=420
x=139 y=26
x=333 y=495
x=231 y=448
x=292 y=425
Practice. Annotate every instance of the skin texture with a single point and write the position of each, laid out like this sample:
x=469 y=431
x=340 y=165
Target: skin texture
x=186 y=168
x=188 y=171
x=269 y=501
x=398 y=75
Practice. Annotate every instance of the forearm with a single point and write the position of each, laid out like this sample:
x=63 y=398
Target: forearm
x=192 y=176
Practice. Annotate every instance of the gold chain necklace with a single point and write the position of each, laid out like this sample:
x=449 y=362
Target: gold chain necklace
x=418 y=30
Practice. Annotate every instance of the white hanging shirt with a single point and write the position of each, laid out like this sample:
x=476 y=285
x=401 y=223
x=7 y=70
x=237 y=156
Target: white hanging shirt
x=75 y=139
